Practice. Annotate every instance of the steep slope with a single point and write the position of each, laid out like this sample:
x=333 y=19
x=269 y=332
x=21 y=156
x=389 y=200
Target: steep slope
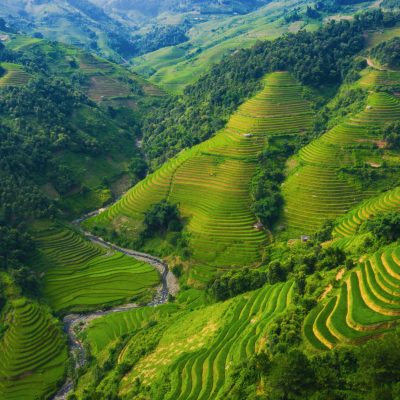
x=194 y=350
x=176 y=67
x=106 y=132
x=79 y=275
x=210 y=182
x=33 y=353
x=366 y=305
x=317 y=190
x=77 y=22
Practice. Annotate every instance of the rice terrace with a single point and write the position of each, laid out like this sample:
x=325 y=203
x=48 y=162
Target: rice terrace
x=199 y=200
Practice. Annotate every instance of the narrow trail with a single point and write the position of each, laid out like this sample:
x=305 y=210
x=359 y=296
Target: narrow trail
x=71 y=322
x=373 y=65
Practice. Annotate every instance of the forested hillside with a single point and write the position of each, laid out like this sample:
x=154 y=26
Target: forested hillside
x=69 y=122
x=237 y=241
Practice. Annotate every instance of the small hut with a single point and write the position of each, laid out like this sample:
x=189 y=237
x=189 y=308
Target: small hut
x=258 y=226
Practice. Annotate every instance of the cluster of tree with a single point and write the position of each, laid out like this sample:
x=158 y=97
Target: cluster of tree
x=315 y=58
x=391 y=133
x=304 y=259
x=266 y=183
x=157 y=38
x=384 y=226
x=390 y=4
x=15 y=246
x=368 y=372
x=388 y=53
x=364 y=175
x=235 y=282
x=91 y=10
x=39 y=122
x=348 y=101
x=161 y=217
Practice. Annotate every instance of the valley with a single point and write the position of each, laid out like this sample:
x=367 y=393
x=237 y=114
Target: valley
x=218 y=220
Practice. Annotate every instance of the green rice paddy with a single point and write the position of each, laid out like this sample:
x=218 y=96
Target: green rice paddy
x=14 y=76
x=366 y=305
x=79 y=275
x=200 y=347
x=210 y=182
x=33 y=353
x=385 y=202
x=315 y=191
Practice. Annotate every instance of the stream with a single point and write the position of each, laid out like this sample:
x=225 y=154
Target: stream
x=168 y=286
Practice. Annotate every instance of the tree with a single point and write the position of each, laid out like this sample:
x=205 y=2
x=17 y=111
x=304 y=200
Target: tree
x=290 y=377
x=160 y=217
x=385 y=226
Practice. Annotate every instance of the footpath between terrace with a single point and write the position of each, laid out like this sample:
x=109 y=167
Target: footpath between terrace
x=169 y=285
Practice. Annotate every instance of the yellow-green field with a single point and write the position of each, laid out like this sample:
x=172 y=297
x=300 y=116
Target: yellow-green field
x=314 y=191
x=210 y=182
x=79 y=275
x=366 y=305
x=14 y=76
x=33 y=353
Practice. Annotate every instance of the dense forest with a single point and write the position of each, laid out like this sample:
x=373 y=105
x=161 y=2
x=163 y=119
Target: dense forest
x=41 y=121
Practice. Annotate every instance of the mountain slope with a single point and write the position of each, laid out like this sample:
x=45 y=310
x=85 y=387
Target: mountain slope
x=211 y=182
x=328 y=177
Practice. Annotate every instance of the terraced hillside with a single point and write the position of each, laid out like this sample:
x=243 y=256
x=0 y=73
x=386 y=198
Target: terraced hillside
x=210 y=182
x=106 y=330
x=380 y=78
x=366 y=305
x=199 y=347
x=316 y=191
x=33 y=353
x=15 y=75
x=387 y=201
x=79 y=275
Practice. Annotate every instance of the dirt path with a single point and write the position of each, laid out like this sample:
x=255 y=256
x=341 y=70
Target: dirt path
x=373 y=65
x=169 y=285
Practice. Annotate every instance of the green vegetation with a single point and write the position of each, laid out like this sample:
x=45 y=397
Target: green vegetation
x=236 y=282
x=33 y=352
x=341 y=168
x=60 y=155
x=387 y=53
x=192 y=354
x=206 y=105
x=79 y=275
x=211 y=40
x=13 y=75
x=210 y=183
x=276 y=209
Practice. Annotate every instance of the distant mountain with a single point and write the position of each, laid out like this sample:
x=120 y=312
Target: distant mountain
x=152 y=8
x=116 y=29
x=77 y=22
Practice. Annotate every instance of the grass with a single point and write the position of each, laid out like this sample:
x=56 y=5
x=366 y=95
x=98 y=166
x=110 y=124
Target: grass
x=366 y=305
x=33 y=353
x=199 y=348
x=14 y=76
x=79 y=275
x=103 y=331
x=374 y=38
x=210 y=182
x=21 y=42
